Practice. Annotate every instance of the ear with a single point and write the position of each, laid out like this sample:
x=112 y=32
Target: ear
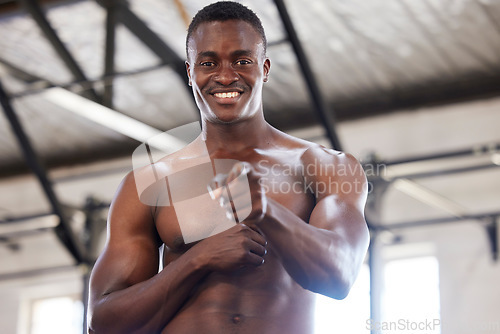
x=267 y=68
x=188 y=67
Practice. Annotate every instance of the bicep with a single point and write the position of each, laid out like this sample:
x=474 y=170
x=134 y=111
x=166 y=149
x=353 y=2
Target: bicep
x=131 y=252
x=340 y=217
x=340 y=208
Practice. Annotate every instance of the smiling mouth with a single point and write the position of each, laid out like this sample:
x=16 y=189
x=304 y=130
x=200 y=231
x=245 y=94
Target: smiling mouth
x=227 y=95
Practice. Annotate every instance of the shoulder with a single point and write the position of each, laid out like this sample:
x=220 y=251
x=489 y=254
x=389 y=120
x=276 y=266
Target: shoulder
x=313 y=153
x=127 y=196
x=129 y=216
x=127 y=188
x=290 y=142
x=334 y=172
x=333 y=161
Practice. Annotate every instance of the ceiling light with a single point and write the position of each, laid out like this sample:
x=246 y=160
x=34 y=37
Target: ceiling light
x=45 y=222
x=496 y=158
x=111 y=119
x=429 y=197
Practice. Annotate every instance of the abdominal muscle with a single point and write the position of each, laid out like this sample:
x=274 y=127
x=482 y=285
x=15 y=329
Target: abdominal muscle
x=262 y=299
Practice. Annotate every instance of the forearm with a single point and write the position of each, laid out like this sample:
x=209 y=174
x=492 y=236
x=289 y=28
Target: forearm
x=319 y=260
x=148 y=306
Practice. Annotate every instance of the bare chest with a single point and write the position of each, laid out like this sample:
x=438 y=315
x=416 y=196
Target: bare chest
x=193 y=215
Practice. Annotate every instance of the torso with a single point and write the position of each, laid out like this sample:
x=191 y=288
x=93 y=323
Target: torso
x=262 y=299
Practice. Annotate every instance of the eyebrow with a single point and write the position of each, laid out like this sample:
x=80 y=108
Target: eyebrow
x=237 y=53
x=208 y=54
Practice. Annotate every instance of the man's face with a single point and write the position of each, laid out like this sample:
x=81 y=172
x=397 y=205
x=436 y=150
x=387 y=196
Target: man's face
x=227 y=67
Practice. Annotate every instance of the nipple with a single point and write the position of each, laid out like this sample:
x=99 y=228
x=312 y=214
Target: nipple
x=236 y=318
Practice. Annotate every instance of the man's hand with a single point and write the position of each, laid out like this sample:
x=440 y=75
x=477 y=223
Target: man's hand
x=233 y=249
x=241 y=194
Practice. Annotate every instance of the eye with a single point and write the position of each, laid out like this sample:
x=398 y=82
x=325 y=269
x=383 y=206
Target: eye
x=207 y=63
x=243 y=62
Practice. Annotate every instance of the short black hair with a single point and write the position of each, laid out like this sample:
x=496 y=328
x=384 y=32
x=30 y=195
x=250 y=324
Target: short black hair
x=224 y=11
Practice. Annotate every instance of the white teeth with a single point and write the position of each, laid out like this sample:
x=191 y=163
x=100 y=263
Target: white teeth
x=227 y=95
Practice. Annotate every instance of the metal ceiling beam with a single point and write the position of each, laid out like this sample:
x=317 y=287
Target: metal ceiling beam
x=38 y=15
x=487 y=216
x=139 y=28
x=25 y=233
x=325 y=116
x=492 y=232
x=153 y=42
x=157 y=45
x=109 y=57
x=473 y=151
x=36 y=272
x=63 y=229
x=9 y=6
x=14 y=220
x=85 y=84
x=21 y=74
x=440 y=173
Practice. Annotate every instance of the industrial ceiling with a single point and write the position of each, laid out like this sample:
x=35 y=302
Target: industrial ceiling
x=367 y=57
x=343 y=79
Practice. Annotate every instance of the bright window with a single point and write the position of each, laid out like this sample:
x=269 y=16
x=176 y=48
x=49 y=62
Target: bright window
x=62 y=315
x=410 y=298
x=346 y=316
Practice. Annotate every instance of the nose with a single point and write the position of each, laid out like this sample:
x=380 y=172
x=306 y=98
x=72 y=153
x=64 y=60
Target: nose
x=226 y=75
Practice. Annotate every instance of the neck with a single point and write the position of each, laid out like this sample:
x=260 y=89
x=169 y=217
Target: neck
x=233 y=137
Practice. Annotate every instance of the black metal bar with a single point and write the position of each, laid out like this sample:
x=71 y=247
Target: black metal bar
x=438 y=173
x=168 y=56
x=89 y=83
x=478 y=150
x=13 y=220
x=109 y=57
x=133 y=23
x=34 y=272
x=26 y=233
x=492 y=231
x=374 y=281
x=38 y=15
x=85 y=297
x=325 y=116
x=97 y=173
x=24 y=76
x=63 y=230
x=435 y=221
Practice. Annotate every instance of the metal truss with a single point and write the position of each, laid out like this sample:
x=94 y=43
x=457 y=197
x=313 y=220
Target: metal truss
x=63 y=229
x=325 y=116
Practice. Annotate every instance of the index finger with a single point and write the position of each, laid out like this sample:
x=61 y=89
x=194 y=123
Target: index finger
x=255 y=235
